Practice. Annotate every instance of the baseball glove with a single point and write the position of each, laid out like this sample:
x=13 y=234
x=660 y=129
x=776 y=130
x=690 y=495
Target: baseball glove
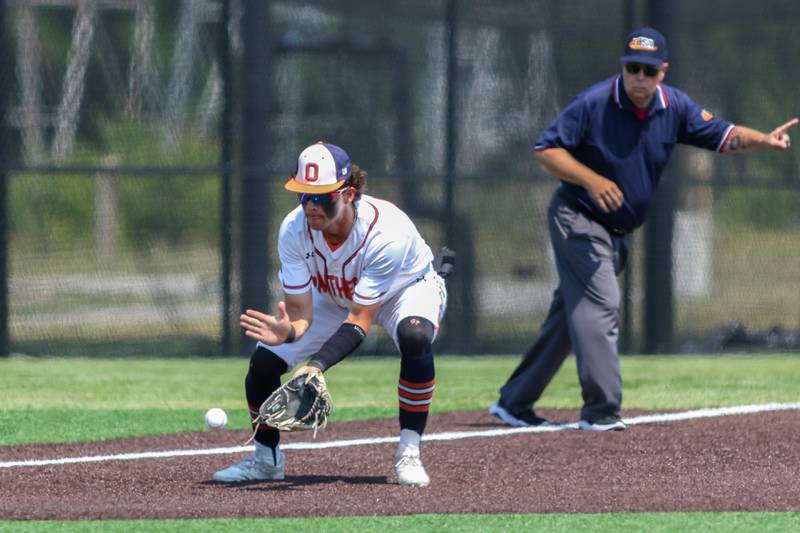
x=299 y=404
x=444 y=261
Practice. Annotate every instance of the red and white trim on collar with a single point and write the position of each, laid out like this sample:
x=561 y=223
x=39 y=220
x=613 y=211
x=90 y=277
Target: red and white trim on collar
x=615 y=91
x=662 y=102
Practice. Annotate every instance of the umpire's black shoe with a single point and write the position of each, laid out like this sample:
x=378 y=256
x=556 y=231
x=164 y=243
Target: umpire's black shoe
x=525 y=418
x=607 y=423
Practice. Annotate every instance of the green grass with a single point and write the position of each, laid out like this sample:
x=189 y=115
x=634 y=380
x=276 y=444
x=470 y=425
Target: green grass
x=553 y=523
x=94 y=399
x=90 y=399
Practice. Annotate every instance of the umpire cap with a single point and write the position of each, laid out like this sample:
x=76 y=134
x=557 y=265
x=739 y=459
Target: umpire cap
x=645 y=45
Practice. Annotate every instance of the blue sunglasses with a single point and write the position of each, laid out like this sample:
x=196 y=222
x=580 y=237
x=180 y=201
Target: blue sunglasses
x=321 y=199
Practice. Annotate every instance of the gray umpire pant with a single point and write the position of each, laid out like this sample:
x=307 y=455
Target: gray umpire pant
x=584 y=315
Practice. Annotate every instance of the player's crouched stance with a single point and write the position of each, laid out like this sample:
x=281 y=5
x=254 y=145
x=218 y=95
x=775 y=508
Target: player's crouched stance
x=348 y=261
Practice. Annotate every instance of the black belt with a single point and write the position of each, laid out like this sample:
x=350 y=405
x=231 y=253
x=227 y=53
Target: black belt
x=571 y=200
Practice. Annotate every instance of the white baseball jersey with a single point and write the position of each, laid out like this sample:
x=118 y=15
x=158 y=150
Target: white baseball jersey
x=383 y=254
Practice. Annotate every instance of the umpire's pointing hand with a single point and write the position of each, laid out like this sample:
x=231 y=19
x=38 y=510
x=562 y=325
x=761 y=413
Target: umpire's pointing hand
x=778 y=138
x=269 y=329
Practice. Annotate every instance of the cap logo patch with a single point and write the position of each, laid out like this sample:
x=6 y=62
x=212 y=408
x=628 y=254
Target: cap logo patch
x=706 y=115
x=312 y=172
x=643 y=43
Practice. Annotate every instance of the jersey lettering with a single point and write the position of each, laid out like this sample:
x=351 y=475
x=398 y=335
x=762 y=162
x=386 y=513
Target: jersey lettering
x=312 y=172
x=344 y=276
x=334 y=285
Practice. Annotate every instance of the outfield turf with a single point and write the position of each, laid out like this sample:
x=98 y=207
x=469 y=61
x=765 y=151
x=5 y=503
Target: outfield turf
x=92 y=399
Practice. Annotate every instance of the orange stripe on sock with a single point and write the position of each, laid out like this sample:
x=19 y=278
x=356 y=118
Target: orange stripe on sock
x=415 y=408
x=412 y=385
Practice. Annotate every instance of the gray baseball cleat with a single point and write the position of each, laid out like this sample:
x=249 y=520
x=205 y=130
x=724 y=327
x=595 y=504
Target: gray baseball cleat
x=260 y=466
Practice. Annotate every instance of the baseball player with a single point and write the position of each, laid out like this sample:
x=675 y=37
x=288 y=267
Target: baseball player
x=608 y=148
x=348 y=261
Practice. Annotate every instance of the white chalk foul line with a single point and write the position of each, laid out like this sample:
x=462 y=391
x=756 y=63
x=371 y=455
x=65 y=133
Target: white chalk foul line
x=454 y=435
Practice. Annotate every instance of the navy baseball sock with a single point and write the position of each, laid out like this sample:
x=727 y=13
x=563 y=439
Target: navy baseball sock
x=263 y=378
x=417 y=374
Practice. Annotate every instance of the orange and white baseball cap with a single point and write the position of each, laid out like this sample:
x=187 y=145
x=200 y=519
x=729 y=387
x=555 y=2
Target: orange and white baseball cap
x=321 y=168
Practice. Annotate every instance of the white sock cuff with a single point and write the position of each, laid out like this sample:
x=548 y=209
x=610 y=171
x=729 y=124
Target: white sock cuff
x=409 y=437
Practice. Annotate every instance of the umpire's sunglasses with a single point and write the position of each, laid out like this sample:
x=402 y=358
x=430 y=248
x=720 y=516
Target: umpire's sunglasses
x=649 y=71
x=321 y=199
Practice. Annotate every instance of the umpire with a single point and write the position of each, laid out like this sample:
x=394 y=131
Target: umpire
x=608 y=148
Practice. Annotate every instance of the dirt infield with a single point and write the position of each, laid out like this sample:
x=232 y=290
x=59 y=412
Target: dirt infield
x=733 y=463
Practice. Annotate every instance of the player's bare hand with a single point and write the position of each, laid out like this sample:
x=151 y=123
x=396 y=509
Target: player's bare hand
x=779 y=138
x=606 y=193
x=272 y=330
x=307 y=370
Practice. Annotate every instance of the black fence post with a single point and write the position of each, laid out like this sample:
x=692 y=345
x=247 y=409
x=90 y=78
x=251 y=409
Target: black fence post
x=460 y=320
x=659 y=306
x=226 y=162
x=4 y=82
x=255 y=205
x=451 y=141
x=633 y=17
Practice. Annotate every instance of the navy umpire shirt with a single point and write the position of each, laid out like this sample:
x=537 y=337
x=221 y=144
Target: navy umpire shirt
x=602 y=130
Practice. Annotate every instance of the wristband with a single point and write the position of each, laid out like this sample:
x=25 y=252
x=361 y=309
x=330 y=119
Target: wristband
x=341 y=344
x=292 y=334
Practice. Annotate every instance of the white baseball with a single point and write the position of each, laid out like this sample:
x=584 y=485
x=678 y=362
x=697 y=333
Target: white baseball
x=216 y=418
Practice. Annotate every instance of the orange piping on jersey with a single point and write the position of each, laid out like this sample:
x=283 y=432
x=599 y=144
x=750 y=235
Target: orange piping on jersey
x=303 y=286
x=324 y=261
x=370 y=297
x=364 y=240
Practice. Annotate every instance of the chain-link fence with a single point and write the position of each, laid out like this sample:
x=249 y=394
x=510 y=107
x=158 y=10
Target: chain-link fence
x=130 y=129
